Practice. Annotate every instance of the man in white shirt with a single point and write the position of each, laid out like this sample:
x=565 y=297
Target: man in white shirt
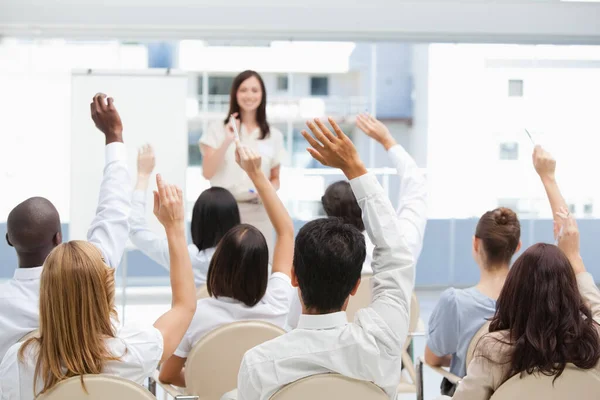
x=328 y=259
x=33 y=229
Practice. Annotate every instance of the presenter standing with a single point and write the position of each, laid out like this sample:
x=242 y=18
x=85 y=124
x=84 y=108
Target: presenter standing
x=247 y=109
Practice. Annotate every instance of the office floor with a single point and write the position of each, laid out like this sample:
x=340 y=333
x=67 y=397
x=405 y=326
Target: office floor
x=144 y=305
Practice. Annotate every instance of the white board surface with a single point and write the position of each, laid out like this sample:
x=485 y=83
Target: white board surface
x=152 y=108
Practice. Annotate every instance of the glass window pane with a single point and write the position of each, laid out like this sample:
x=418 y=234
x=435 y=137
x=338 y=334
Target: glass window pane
x=319 y=86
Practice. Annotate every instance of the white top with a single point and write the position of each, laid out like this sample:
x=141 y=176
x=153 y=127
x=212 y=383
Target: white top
x=19 y=297
x=370 y=348
x=413 y=193
x=230 y=176
x=156 y=247
x=139 y=350
x=212 y=313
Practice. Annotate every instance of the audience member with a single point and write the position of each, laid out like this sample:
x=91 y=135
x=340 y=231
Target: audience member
x=547 y=312
x=460 y=313
x=328 y=259
x=238 y=279
x=34 y=230
x=214 y=214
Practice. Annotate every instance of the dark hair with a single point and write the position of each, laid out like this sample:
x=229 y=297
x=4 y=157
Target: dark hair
x=328 y=259
x=499 y=231
x=215 y=213
x=239 y=268
x=339 y=201
x=548 y=322
x=261 y=112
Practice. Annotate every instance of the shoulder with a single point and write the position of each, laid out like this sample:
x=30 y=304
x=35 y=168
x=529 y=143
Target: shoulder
x=494 y=346
x=449 y=297
x=139 y=337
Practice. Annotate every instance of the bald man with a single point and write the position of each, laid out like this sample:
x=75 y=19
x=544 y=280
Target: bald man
x=33 y=230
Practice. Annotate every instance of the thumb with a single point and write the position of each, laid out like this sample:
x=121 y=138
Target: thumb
x=156 y=202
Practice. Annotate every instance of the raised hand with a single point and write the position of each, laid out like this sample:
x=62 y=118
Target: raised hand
x=568 y=239
x=544 y=163
x=168 y=205
x=107 y=118
x=146 y=161
x=334 y=150
x=375 y=129
x=247 y=159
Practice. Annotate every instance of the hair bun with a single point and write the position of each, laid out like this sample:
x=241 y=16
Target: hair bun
x=504 y=216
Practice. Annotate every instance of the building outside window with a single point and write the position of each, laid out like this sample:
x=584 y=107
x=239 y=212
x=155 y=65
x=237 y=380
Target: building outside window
x=319 y=86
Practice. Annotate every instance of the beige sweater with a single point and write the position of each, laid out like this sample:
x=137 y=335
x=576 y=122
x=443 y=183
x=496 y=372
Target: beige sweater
x=484 y=377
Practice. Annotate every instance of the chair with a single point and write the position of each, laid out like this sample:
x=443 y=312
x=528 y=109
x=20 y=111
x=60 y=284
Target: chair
x=574 y=383
x=330 y=386
x=99 y=387
x=202 y=292
x=361 y=299
x=213 y=364
x=34 y=333
x=485 y=328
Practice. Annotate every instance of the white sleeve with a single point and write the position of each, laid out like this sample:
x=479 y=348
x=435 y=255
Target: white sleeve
x=214 y=135
x=147 y=345
x=412 y=203
x=185 y=346
x=10 y=383
x=155 y=247
x=246 y=390
x=393 y=265
x=110 y=227
x=279 y=293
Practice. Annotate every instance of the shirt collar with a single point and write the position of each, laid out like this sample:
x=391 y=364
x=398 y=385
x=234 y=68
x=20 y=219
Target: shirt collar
x=23 y=274
x=323 y=321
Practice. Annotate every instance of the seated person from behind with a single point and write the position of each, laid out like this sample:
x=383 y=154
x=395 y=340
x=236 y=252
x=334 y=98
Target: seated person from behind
x=214 y=214
x=460 y=313
x=328 y=260
x=238 y=280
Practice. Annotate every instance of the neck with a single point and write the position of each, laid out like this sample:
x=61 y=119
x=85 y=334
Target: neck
x=249 y=118
x=32 y=260
x=492 y=280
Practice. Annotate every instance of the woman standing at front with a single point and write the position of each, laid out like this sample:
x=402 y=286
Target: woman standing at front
x=248 y=104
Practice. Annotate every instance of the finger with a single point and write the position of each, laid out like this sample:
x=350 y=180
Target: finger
x=325 y=131
x=156 y=202
x=311 y=140
x=93 y=110
x=318 y=134
x=172 y=193
x=242 y=152
x=316 y=155
x=235 y=115
x=111 y=105
x=179 y=194
x=99 y=100
x=161 y=188
x=338 y=131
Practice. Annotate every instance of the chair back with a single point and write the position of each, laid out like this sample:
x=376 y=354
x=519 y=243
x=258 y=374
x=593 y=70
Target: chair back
x=97 y=387
x=213 y=364
x=330 y=386
x=202 y=292
x=485 y=328
x=361 y=299
x=574 y=383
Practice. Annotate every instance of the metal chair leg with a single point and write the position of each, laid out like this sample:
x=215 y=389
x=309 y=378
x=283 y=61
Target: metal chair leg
x=419 y=380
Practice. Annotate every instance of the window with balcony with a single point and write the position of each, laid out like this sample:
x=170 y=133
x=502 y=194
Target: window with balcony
x=282 y=83
x=509 y=151
x=319 y=86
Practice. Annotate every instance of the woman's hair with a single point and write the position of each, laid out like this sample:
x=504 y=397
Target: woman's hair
x=549 y=324
x=339 y=201
x=214 y=213
x=499 y=231
x=77 y=302
x=240 y=266
x=261 y=112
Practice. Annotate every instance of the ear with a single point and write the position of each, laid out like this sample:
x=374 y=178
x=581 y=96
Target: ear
x=519 y=246
x=475 y=244
x=355 y=288
x=294 y=278
x=57 y=239
x=8 y=241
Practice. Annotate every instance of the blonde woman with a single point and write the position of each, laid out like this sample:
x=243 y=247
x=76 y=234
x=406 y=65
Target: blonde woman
x=77 y=333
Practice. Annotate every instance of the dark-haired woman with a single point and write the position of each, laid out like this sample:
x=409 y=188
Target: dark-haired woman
x=248 y=105
x=215 y=213
x=547 y=313
x=238 y=279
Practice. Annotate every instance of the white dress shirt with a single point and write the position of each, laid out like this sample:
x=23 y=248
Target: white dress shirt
x=413 y=194
x=212 y=313
x=157 y=248
x=370 y=348
x=139 y=350
x=19 y=297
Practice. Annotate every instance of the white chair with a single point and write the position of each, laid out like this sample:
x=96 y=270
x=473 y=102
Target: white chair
x=97 y=387
x=213 y=364
x=330 y=386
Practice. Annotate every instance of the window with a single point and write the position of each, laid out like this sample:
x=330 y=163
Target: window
x=588 y=209
x=572 y=208
x=515 y=88
x=217 y=85
x=194 y=155
x=509 y=151
x=319 y=86
x=282 y=83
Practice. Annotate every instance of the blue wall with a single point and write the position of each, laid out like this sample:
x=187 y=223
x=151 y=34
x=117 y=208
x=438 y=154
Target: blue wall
x=445 y=261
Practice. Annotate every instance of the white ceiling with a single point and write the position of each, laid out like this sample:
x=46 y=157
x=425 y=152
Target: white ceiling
x=530 y=21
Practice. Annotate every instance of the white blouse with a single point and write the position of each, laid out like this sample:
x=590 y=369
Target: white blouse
x=230 y=176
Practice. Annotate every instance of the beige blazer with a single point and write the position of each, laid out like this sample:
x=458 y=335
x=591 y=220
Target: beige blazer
x=488 y=369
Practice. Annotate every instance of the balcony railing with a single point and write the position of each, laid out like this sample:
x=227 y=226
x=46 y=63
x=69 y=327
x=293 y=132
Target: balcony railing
x=292 y=108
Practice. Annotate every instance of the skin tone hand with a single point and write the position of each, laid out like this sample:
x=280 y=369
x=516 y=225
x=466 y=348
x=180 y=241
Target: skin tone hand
x=107 y=118
x=544 y=163
x=334 y=150
x=376 y=130
x=247 y=159
x=568 y=241
x=145 y=165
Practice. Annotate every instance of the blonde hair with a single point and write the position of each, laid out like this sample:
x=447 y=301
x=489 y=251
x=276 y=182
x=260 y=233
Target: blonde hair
x=77 y=301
